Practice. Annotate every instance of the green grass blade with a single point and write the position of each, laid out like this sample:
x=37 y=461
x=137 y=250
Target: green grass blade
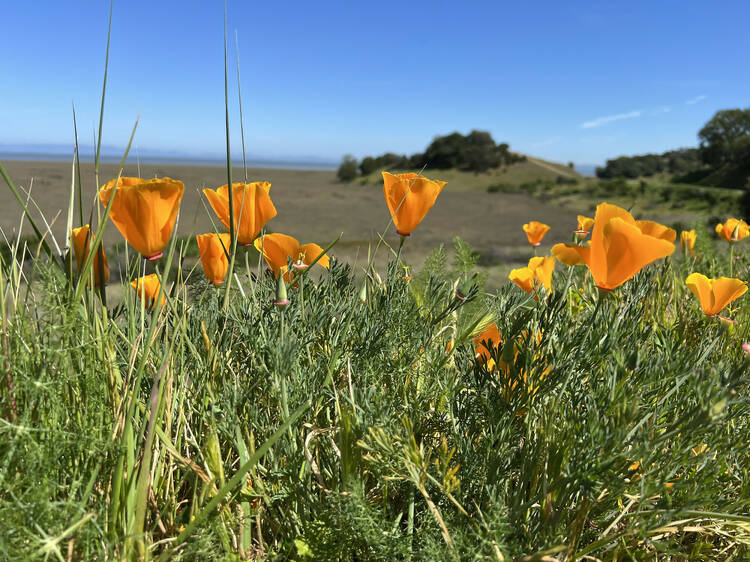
x=16 y=193
x=78 y=168
x=239 y=96
x=232 y=234
x=210 y=508
x=87 y=266
x=104 y=91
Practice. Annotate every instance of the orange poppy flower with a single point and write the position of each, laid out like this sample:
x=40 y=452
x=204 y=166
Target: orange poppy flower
x=687 y=241
x=618 y=249
x=409 y=197
x=484 y=352
x=144 y=211
x=81 y=242
x=149 y=286
x=585 y=224
x=657 y=230
x=489 y=343
x=279 y=249
x=535 y=231
x=538 y=272
x=715 y=294
x=733 y=230
x=213 y=249
x=253 y=208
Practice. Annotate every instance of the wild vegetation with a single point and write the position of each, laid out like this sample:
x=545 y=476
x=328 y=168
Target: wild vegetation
x=722 y=158
x=364 y=420
x=298 y=409
x=475 y=152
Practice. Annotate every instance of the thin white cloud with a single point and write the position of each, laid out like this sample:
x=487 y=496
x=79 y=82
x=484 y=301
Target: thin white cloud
x=696 y=99
x=662 y=109
x=609 y=118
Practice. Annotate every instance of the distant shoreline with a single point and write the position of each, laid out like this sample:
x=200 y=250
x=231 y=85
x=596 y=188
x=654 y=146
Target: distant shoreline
x=167 y=160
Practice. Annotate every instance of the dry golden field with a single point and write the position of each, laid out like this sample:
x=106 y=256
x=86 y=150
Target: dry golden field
x=314 y=207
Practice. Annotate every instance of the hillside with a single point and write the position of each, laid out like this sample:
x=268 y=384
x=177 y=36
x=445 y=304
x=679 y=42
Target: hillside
x=516 y=174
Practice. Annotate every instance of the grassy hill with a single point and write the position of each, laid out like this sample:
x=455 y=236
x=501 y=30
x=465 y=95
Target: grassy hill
x=531 y=170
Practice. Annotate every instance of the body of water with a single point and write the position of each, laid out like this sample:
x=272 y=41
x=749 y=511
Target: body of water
x=45 y=154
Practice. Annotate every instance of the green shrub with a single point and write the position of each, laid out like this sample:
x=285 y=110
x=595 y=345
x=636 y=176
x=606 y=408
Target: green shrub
x=348 y=170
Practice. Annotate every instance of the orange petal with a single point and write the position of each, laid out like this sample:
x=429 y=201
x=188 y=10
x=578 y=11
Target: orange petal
x=700 y=286
x=213 y=250
x=277 y=250
x=148 y=287
x=256 y=210
x=81 y=240
x=604 y=213
x=657 y=230
x=409 y=197
x=220 y=204
x=543 y=268
x=628 y=251
x=144 y=211
x=535 y=231
x=253 y=207
x=724 y=290
x=571 y=255
x=310 y=252
x=585 y=223
x=486 y=344
x=687 y=241
x=524 y=278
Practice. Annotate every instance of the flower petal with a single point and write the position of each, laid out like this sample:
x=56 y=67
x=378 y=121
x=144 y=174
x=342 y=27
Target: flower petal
x=310 y=252
x=725 y=290
x=657 y=230
x=700 y=286
x=144 y=211
x=571 y=255
x=277 y=249
x=523 y=277
x=409 y=197
x=213 y=250
x=628 y=251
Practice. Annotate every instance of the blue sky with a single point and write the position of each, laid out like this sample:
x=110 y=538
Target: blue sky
x=580 y=81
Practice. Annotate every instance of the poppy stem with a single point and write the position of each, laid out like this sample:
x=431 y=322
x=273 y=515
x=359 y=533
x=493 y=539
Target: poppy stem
x=731 y=259
x=599 y=300
x=400 y=245
x=410 y=520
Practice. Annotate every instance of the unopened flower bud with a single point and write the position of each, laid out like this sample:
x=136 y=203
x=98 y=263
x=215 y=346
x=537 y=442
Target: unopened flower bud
x=281 y=298
x=466 y=287
x=726 y=323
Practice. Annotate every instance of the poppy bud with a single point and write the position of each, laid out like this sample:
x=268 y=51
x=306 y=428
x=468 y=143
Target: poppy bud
x=726 y=323
x=462 y=292
x=281 y=298
x=363 y=292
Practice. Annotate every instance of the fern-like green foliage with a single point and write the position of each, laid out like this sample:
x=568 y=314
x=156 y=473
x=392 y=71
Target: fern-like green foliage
x=614 y=427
